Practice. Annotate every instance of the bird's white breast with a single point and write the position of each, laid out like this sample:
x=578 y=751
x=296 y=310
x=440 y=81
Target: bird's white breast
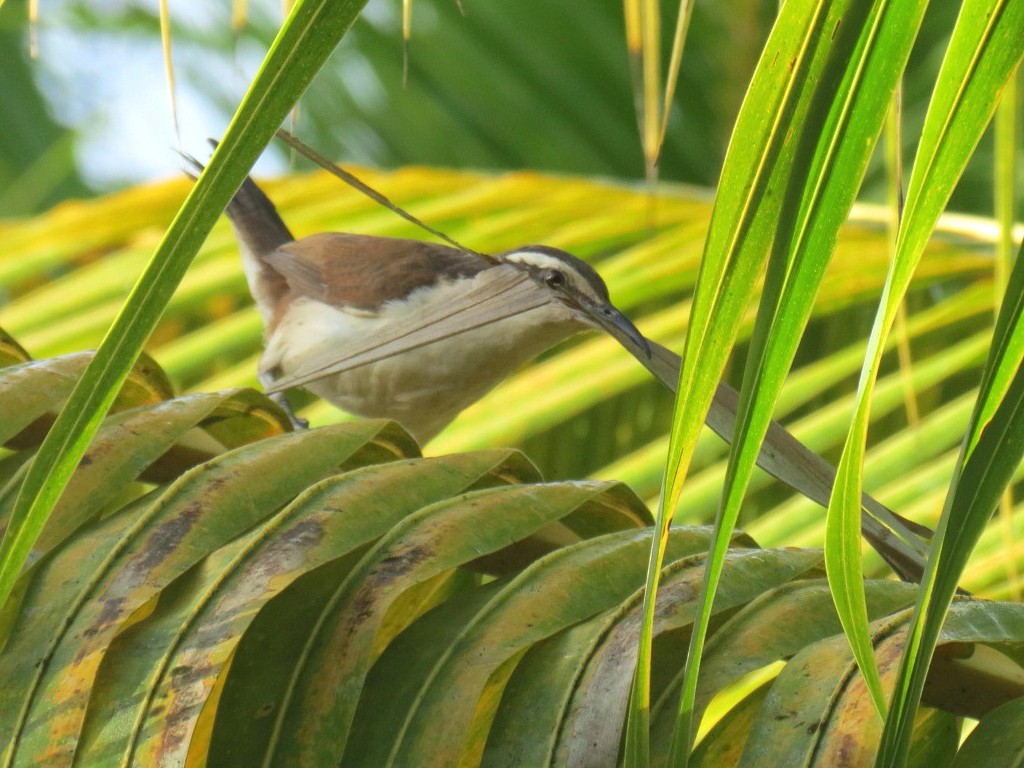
x=424 y=388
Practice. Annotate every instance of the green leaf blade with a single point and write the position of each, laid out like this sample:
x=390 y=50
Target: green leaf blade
x=985 y=49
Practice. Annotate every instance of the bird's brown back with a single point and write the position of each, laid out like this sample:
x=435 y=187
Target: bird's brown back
x=363 y=271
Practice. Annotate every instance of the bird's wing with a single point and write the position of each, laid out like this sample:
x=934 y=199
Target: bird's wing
x=364 y=272
x=471 y=304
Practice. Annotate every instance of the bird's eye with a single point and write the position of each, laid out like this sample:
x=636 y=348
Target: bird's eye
x=553 y=278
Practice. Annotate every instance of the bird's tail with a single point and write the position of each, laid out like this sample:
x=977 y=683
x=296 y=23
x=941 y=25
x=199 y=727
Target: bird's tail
x=254 y=218
x=260 y=232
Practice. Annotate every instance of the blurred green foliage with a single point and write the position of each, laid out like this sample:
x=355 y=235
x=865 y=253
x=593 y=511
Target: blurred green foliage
x=531 y=84
x=37 y=165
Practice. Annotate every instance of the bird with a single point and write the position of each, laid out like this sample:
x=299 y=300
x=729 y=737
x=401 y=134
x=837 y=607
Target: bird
x=417 y=331
x=337 y=291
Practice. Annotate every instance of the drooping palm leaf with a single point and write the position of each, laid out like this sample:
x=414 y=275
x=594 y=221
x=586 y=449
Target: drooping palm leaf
x=326 y=596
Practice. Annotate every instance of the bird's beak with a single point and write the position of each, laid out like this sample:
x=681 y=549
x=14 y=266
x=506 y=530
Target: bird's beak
x=608 y=318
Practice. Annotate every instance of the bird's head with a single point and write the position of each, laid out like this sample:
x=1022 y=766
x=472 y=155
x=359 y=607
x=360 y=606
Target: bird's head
x=577 y=285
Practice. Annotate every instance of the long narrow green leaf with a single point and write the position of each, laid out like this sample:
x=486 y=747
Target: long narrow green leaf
x=757 y=168
x=864 y=63
x=1008 y=152
x=985 y=48
x=683 y=17
x=650 y=65
x=307 y=38
x=991 y=454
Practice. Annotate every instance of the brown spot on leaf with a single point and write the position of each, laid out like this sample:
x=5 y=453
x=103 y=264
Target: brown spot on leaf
x=167 y=537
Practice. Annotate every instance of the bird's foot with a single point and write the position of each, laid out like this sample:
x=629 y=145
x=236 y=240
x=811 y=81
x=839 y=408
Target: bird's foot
x=297 y=421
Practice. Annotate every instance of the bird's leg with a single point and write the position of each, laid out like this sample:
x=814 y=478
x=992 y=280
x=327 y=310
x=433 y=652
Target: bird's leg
x=267 y=380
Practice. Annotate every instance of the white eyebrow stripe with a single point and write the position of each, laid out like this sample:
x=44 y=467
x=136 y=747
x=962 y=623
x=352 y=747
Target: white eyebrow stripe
x=541 y=260
x=535 y=259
